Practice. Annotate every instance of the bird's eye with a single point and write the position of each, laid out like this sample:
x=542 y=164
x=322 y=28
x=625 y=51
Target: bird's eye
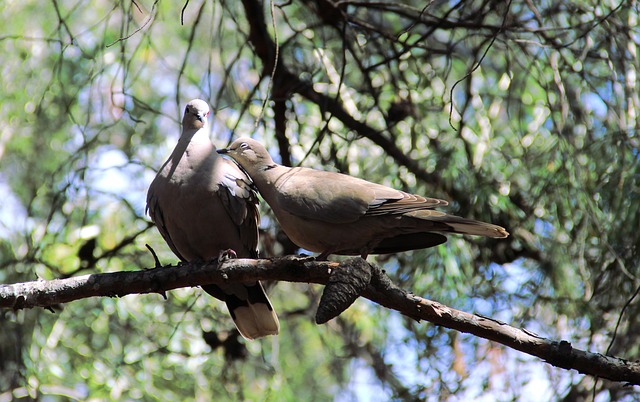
x=244 y=145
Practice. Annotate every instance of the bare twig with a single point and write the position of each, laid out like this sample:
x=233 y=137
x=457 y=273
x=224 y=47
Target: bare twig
x=144 y=24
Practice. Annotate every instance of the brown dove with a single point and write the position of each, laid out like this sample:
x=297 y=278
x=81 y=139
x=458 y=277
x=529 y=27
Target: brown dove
x=333 y=213
x=203 y=205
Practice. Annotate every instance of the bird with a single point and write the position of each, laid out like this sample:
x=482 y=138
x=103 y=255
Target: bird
x=333 y=213
x=204 y=206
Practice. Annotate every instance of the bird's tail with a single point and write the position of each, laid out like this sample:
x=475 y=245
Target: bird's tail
x=249 y=307
x=454 y=224
x=472 y=227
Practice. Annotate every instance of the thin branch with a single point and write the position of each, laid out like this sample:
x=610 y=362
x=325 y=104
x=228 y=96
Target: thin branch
x=144 y=24
x=184 y=8
x=380 y=290
x=478 y=63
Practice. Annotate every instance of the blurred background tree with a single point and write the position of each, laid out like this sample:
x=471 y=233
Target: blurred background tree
x=521 y=114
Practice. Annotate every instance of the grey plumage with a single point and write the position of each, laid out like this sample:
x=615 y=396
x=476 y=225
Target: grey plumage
x=333 y=213
x=203 y=205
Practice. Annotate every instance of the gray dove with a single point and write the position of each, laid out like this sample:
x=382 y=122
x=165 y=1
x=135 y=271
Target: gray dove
x=332 y=213
x=203 y=205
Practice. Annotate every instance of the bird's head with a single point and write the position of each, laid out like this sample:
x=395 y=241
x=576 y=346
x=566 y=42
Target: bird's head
x=195 y=114
x=250 y=154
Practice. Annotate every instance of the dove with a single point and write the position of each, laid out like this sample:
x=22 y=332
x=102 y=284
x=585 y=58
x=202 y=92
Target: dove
x=333 y=213
x=204 y=206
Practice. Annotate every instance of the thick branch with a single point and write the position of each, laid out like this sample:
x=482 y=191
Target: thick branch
x=380 y=290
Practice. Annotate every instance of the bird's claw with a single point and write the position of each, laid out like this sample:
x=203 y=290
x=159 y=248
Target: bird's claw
x=226 y=255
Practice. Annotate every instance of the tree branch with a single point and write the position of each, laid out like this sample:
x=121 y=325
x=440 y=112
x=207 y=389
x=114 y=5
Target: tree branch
x=380 y=289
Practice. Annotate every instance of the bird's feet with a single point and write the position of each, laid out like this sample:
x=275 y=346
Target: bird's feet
x=226 y=255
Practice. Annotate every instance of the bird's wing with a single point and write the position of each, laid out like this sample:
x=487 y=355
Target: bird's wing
x=156 y=214
x=235 y=191
x=332 y=197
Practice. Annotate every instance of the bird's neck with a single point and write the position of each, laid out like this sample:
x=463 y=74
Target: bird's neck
x=269 y=176
x=192 y=141
x=193 y=136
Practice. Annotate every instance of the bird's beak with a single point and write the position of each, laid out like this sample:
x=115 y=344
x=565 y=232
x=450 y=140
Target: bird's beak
x=223 y=151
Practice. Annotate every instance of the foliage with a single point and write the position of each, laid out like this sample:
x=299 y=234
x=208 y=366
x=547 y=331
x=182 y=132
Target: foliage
x=520 y=114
